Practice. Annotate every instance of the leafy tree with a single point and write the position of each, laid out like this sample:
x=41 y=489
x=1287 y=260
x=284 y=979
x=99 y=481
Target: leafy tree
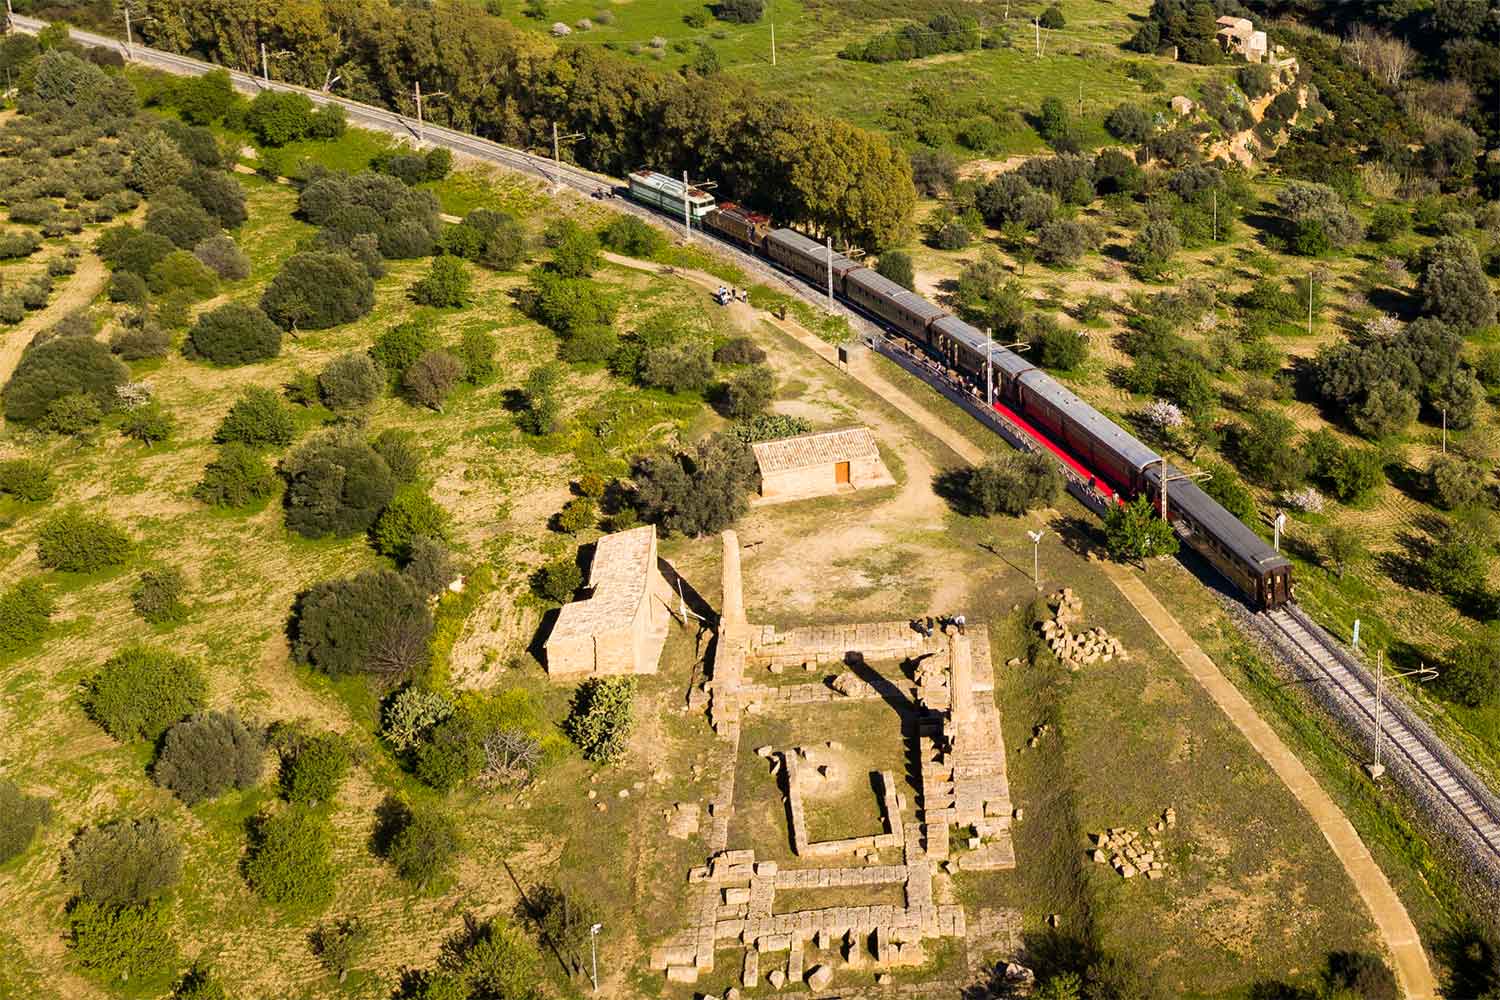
x=340 y=944
x=633 y=236
x=127 y=862
x=258 y=419
x=576 y=515
x=205 y=99
x=156 y=163
x=402 y=456
x=336 y=485
x=676 y=368
x=411 y=514
x=157 y=596
x=181 y=273
x=601 y=718
x=1453 y=482
x=696 y=493
x=61 y=367
x=25 y=612
x=149 y=424
x=1456 y=564
x=72 y=415
x=126 y=944
x=739 y=11
x=1129 y=123
x=429 y=565
x=398 y=348
x=350 y=381
x=430 y=378
x=1343 y=547
x=291 y=859
x=1454 y=287
x=277 y=118
x=21 y=816
x=223 y=256
x=558 y=580
x=375 y=623
x=234 y=334
x=141 y=691
x=137 y=341
x=575 y=253
x=1472 y=676
x=75 y=542
x=315 y=290
x=314 y=767
x=1052 y=18
x=1013 y=483
x=1352 y=474
x=1062 y=242
x=425 y=846
x=446 y=283
x=1388 y=222
x=1053 y=346
x=175 y=214
x=238 y=477
x=206 y=754
x=1063 y=986
x=1456 y=398
x=1055 y=125
x=1154 y=247
x=749 y=393
x=896 y=265
x=1318 y=214
x=477 y=352
x=1137 y=531
x=26 y=480
x=1386 y=410
x=1361 y=974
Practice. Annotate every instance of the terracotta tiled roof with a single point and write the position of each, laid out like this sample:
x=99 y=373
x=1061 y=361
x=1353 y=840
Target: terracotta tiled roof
x=822 y=448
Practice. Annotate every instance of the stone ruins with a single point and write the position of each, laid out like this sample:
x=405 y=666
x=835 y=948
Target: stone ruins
x=1076 y=649
x=1131 y=853
x=948 y=712
x=621 y=627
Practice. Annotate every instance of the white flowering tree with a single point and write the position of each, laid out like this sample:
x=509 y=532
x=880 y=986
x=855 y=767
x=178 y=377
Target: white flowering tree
x=1164 y=416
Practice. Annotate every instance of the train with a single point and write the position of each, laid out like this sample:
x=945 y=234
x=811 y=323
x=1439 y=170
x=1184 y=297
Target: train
x=1117 y=462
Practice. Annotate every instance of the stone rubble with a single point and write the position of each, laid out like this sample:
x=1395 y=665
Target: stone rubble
x=1130 y=852
x=1077 y=649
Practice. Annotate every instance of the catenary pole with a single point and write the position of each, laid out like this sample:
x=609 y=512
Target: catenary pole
x=687 y=215
x=828 y=243
x=265 y=64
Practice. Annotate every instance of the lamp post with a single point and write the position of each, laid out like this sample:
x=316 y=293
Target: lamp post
x=594 y=953
x=1375 y=769
x=1278 y=524
x=1036 y=564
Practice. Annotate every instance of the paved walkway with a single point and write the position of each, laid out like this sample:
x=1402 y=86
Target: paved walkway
x=1400 y=934
x=1413 y=972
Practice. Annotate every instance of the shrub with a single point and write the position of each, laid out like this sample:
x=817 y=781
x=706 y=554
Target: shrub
x=749 y=393
x=340 y=944
x=1136 y=531
x=696 y=493
x=1472 y=676
x=375 y=623
x=1454 y=287
x=1154 y=247
x=424 y=847
x=127 y=287
x=676 y=368
x=234 y=334
x=328 y=122
x=206 y=754
x=350 y=381
x=141 y=340
x=61 y=367
x=21 y=816
x=26 y=480
x=238 y=477
x=149 y=424
x=399 y=449
x=410 y=715
x=315 y=768
x=157 y=595
x=336 y=485
x=1387 y=222
x=76 y=542
x=576 y=515
x=25 y=613
x=1013 y=484
x=1453 y=482
x=204 y=99
x=124 y=944
x=1362 y=975
x=445 y=285
x=398 y=348
x=259 y=419
x=1456 y=564
x=633 y=237
x=128 y=862
x=1053 y=346
x=291 y=859
x=601 y=717
x=575 y=252
x=739 y=11
x=429 y=566
x=316 y=290
x=739 y=351
x=477 y=352
x=223 y=256
x=220 y=196
x=140 y=252
x=411 y=514
x=141 y=691
x=276 y=118
x=71 y=415
x=558 y=580
x=1062 y=242
x=175 y=214
x=430 y=378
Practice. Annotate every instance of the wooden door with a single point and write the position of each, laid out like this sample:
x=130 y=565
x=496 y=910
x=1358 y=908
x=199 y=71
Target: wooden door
x=841 y=473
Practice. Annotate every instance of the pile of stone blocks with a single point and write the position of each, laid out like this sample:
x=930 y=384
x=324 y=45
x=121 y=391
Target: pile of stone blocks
x=1076 y=649
x=1131 y=853
x=851 y=686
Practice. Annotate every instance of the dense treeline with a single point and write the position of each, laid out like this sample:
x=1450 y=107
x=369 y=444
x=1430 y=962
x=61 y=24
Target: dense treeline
x=510 y=85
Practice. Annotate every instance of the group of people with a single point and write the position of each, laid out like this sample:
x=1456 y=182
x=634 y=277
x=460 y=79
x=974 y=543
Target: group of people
x=925 y=626
x=726 y=295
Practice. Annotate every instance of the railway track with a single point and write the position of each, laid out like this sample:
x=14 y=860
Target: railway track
x=1406 y=743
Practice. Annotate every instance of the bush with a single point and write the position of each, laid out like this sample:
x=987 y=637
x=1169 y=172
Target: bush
x=1137 y=531
x=424 y=847
x=206 y=754
x=238 y=477
x=1154 y=247
x=141 y=691
x=350 y=381
x=558 y=580
x=1472 y=676
x=128 y=862
x=124 y=944
x=601 y=718
x=633 y=237
x=316 y=290
x=204 y=99
x=340 y=944
x=429 y=566
x=677 y=368
x=739 y=11
x=1453 y=482
x=336 y=485
x=477 y=352
x=1456 y=564
x=430 y=378
x=446 y=284
x=410 y=715
x=1226 y=488
x=175 y=214
x=315 y=768
x=258 y=419
x=138 y=253
x=410 y=515
x=1388 y=222
x=26 y=480
x=739 y=351
x=220 y=196
x=199 y=984
x=1013 y=484
x=399 y=449
x=61 y=367
x=698 y=493
x=127 y=287
x=1362 y=975
x=223 y=256
x=398 y=348
x=157 y=596
x=575 y=252
x=149 y=424
x=141 y=340
x=291 y=859
x=375 y=623
x=749 y=393
x=276 y=119
x=1054 y=347
x=1454 y=287
x=25 y=613
x=75 y=542
x=234 y=334
x=71 y=415
x=1062 y=242
x=21 y=816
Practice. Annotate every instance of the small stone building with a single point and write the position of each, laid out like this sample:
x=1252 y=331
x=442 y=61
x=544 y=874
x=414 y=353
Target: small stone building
x=1239 y=37
x=1182 y=106
x=826 y=462
x=621 y=626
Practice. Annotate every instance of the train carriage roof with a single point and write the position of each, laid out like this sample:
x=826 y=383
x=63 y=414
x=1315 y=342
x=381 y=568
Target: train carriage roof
x=1096 y=424
x=670 y=186
x=808 y=247
x=1232 y=533
x=1007 y=362
x=878 y=284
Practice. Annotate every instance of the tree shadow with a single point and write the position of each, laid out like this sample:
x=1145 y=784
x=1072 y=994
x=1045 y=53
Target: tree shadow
x=391 y=817
x=1078 y=535
x=953 y=485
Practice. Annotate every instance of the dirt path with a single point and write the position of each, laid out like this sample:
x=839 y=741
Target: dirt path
x=1396 y=927
x=79 y=291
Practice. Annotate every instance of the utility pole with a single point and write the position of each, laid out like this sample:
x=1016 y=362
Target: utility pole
x=1277 y=525
x=1080 y=98
x=129 y=43
x=594 y=953
x=1036 y=564
x=989 y=367
x=1216 y=214
x=1036 y=22
x=1309 y=302
x=556 y=159
x=417 y=88
x=772 y=14
x=1375 y=769
x=1445 y=430
x=1197 y=476
x=265 y=64
x=828 y=240
x=687 y=214
x=1355 y=642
